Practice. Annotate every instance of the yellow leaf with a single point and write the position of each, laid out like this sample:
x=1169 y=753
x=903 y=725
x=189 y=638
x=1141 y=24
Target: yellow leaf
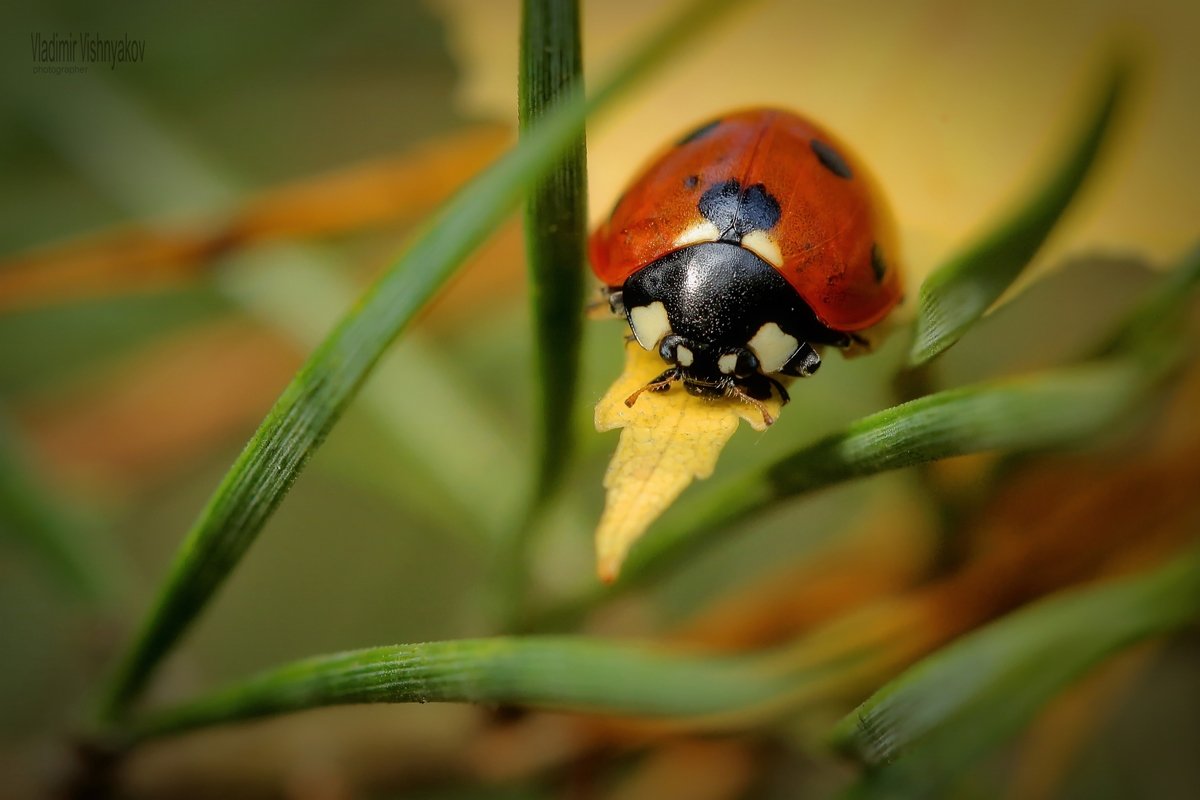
x=668 y=439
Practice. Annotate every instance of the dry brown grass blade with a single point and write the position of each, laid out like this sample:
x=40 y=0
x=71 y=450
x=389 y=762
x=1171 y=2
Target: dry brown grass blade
x=390 y=189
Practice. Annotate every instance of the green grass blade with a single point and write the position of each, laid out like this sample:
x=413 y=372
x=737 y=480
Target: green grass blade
x=958 y=293
x=1032 y=412
x=312 y=403
x=572 y=673
x=956 y=705
x=555 y=230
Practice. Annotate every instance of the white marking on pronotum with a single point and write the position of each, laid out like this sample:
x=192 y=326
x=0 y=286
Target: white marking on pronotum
x=727 y=363
x=649 y=324
x=761 y=243
x=683 y=356
x=773 y=347
x=703 y=231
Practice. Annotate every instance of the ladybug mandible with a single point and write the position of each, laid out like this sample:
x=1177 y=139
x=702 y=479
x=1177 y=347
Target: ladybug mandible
x=749 y=244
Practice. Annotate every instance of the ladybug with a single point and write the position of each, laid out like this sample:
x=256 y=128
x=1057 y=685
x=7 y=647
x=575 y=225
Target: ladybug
x=749 y=244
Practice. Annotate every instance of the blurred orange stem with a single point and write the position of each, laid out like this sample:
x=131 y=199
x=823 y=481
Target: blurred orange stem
x=126 y=259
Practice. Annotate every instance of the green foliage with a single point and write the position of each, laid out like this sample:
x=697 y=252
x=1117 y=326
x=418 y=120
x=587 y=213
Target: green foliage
x=941 y=715
x=1051 y=409
x=932 y=722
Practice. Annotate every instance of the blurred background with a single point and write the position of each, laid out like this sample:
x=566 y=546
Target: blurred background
x=177 y=233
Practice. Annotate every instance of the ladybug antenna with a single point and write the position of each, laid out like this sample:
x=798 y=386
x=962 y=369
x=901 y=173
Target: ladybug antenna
x=740 y=394
x=659 y=384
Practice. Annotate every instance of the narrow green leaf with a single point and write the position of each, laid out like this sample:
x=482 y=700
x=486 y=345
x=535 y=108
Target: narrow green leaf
x=572 y=673
x=1032 y=412
x=952 y=708
x=958 y=293
x=315 y=399
x=555 y=230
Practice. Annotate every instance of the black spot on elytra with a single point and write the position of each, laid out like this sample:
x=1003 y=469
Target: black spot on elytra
x=691 y=181
x=699 y=133
x=736 y=212
x=878 y=265
x=831 y=159
x=719 y=204
x=760 y=211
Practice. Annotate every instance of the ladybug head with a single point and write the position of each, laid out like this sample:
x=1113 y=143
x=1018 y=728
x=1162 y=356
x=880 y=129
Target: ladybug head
x=705 y=371
x=724 y=321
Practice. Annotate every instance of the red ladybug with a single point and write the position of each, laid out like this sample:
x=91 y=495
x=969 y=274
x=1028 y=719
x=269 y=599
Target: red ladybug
x=755 y=238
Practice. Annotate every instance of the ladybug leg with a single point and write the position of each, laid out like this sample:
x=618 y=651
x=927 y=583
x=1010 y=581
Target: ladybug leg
x=659 y=384
x=758 y=385
x=736 y=391
x=783 y=392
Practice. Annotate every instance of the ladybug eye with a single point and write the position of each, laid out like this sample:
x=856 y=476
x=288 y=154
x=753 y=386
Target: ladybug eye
x=677 y=350
x=669 y=348
x=740 y=363
x=747 y=364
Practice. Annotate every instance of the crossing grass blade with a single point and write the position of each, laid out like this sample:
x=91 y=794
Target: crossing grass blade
x=958 y=293
x=955 y=706
x=316 y=398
